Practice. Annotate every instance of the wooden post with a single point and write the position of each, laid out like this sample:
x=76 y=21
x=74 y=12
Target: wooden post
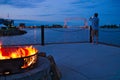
x=42 y=35
x=90 y=36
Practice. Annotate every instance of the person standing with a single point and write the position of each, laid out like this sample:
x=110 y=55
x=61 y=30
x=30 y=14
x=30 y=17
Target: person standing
x=95 y=27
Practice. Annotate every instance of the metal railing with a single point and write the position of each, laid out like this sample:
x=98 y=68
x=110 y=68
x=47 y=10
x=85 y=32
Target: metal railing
x=44 y=36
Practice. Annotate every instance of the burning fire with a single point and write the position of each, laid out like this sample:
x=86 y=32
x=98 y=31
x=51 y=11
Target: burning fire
x=19 y=52
x=27 y=53
x=16 y=52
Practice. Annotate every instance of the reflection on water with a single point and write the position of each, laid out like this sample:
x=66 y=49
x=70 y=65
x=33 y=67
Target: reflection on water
x=33 y=36
x=28 y=38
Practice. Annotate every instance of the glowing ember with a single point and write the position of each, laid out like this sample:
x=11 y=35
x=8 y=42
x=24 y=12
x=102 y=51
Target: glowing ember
x=16 y=52
x=29 y=61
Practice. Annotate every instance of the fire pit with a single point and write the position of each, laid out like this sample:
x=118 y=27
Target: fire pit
x=17 y=59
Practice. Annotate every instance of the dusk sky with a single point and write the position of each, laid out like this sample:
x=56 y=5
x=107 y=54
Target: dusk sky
x=58 y=10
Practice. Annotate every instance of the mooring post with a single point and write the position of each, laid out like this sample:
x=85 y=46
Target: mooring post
x=42 y=35
x=90 y=36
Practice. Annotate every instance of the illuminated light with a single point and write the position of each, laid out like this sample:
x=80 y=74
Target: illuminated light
x=6 y=72
x=75 y=18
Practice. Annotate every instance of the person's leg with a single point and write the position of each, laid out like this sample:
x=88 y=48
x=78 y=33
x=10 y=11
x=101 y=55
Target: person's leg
x=96 y=33
x=96 y=39
x=93 y=33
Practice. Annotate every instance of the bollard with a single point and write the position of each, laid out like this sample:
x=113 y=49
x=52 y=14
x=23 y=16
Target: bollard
x=42 y=35
x=90 y=36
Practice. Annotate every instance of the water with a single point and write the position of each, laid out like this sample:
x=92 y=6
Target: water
x=35 y=23
x=110 y=36
x=61 y=35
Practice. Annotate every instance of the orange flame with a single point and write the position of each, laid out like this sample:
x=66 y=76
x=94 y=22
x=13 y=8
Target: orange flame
x=16 y=52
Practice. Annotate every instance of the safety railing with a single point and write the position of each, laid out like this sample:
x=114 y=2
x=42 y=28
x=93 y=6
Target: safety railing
x=45 y=36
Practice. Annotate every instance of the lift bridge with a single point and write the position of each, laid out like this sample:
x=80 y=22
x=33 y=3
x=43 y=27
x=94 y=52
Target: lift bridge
x=75 y=18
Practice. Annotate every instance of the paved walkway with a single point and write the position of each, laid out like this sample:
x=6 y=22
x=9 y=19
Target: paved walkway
x=85 y=61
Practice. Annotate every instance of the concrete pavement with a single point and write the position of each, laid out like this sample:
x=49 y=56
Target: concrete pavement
x=85 y=61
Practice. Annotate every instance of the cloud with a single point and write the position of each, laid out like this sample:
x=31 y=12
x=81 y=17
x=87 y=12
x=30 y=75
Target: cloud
x=41 y=15
x=21 y=3
x=46 y=15
x=79 y=2
x=87 y=4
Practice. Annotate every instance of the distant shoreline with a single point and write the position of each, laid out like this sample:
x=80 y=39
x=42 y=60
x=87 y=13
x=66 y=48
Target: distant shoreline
x=12 y=32
x=60 y=26
x=110 y=26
